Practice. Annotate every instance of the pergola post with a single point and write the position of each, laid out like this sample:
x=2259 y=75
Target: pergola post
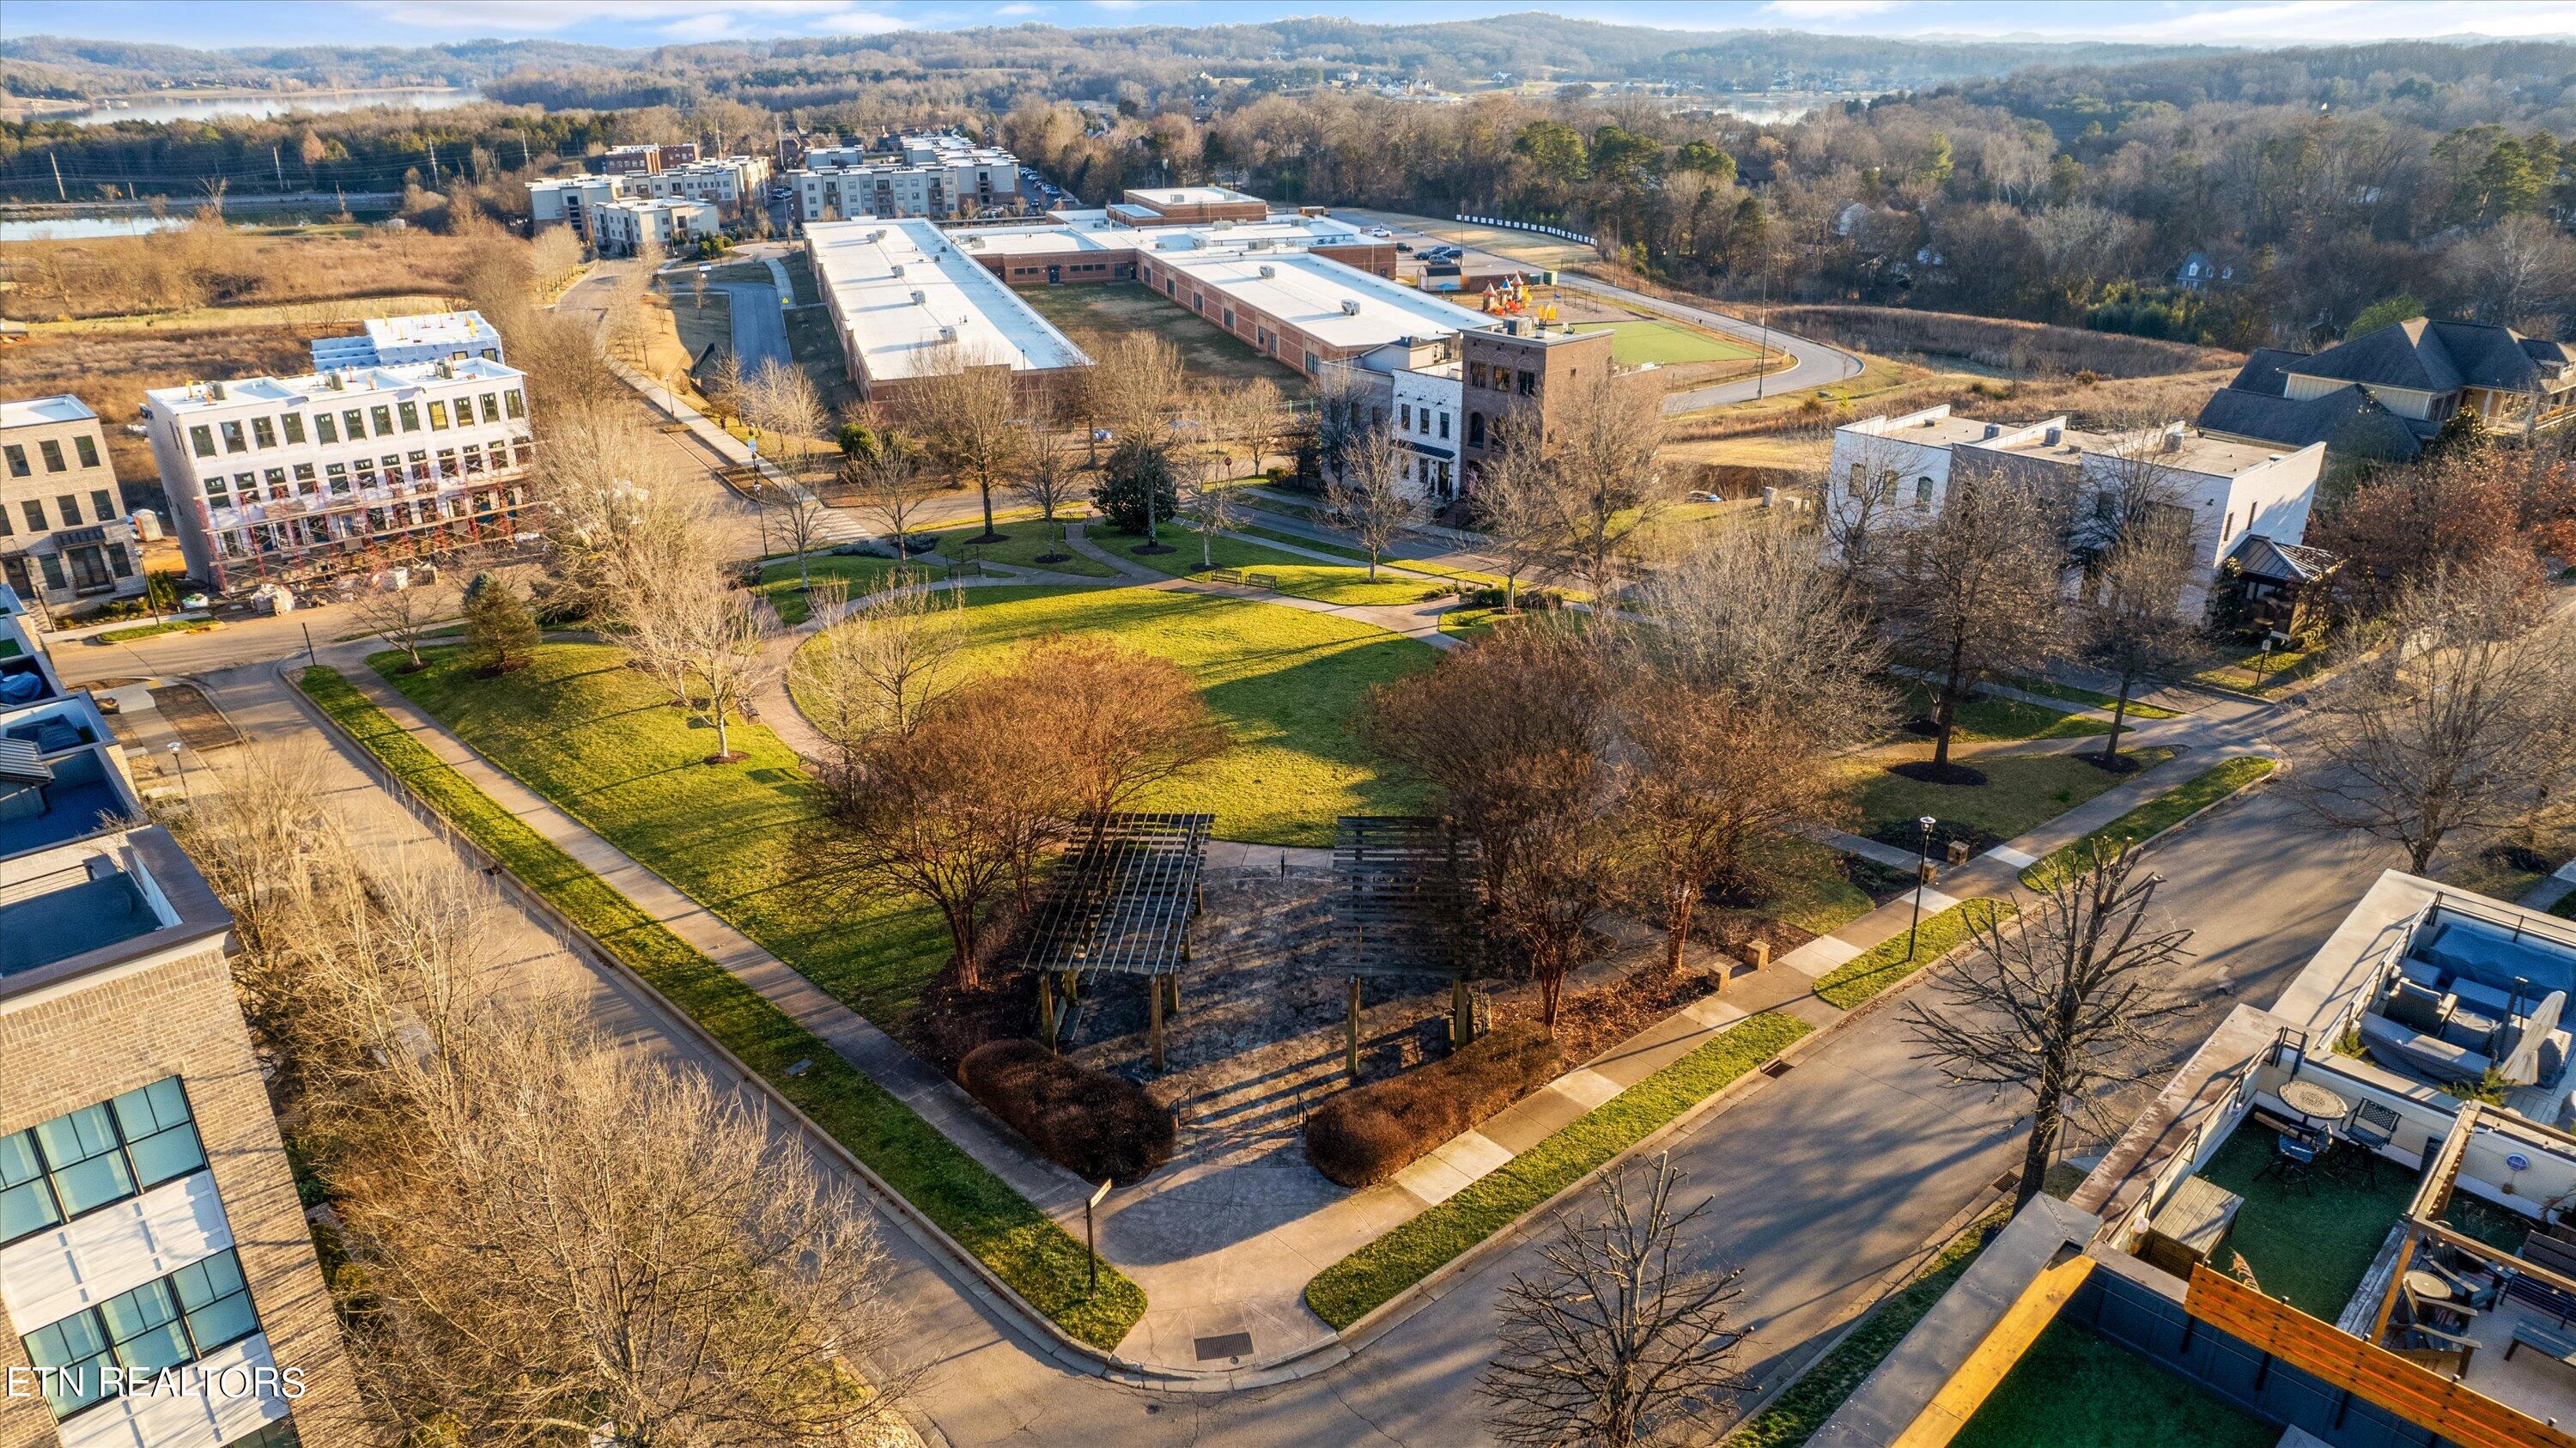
x=1462 y=1013
x=1176 y=993
x=1351 y=1033
x=1046 y=1010
x=1154 y=1017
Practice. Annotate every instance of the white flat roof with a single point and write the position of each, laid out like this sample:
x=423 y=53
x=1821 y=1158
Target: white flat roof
x=893 y=336
x=1081 y=231
x=1188 y=195
x=29 y=411
x=430 y=328
x=1307 y=293
x=313 y=387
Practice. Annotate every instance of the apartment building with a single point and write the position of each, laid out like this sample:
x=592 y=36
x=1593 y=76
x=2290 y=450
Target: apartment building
x=304 y=477
x=1518 y=373
x=725 y=183
x=645 y=159
x=1889 y=469
x=572 y=200
x=158 y=1284
x=619 y=228
x=1416 y=391
x=65 y=537
x=409 y=341
x=847 y=183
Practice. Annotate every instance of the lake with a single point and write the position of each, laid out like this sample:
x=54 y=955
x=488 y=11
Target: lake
x=257 y=105
x=138 y=223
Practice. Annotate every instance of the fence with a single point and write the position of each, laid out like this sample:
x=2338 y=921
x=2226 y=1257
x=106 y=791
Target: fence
x=1558 y=232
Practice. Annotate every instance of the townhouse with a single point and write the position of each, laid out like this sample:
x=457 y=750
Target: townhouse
x=65 y=537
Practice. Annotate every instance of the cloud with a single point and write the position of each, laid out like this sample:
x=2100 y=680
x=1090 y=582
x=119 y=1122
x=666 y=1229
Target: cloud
x=1018 y=8
x=487 y=16
x=1826 y=9
x=858 y=22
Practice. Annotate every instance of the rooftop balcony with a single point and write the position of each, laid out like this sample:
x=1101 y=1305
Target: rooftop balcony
x=79 y=907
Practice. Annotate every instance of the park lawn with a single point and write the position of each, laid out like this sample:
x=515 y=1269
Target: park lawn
x=603 y=743
x=1469 y=623
x=1101 y=308
x=1802 y=1407
x=2159 y=814
x=2263 y=672
x=1022 y=542
x=2075 y=1388
x=781 y=583
x=1368 y=1278
x=1416 y=565
x=1290 y=572
x=1988 y=719
x=1666 y=343
x=2021 y=793
x=977 y=1209
x=1813 y=893
x=1286 y=683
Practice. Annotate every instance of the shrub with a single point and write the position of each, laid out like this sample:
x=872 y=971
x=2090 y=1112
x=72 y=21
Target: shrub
x=1089 y=1122
x=1369 y=1133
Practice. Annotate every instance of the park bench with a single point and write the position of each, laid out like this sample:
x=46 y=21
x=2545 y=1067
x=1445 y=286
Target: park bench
x=1244 y=577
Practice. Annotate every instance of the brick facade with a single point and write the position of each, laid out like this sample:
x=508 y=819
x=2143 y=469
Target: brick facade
x=64 y=1049
x=1509 y=372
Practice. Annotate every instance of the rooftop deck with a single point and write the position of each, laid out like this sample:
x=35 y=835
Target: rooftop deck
x=81 y=916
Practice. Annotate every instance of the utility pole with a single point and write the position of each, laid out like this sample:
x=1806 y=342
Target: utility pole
x=433 y=165
x=278 y=166
x=524 y=162
x=57 y=161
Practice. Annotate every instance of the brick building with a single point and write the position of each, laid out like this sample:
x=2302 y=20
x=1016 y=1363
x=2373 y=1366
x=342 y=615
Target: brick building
x=1519 y=368
x=158 y=1283
x=65 y=538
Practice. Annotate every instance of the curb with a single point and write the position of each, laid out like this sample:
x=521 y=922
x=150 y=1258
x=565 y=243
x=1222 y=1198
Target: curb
x=2280 y=766
x=979 y=1280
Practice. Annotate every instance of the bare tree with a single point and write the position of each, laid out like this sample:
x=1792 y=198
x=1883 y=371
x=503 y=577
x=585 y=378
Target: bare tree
x=876 y=669
x=2065 y=1000
x=780 y=400
x=725 y=384
x=404 y=616
x=2441 y=727
x=2137 y=539
x=1857 y=500
x=888 y=488
x=1973 y=589
x=1125 y=720
x=1609 y=490
x=1208 y=501
x=1049 y=481
x=1366 y=492
x=1137 y=383
x=1514 y=503
x=970 y=420
x=577 y=1243
x=1261 y=418
x=800 y=514
x=705 y=642
x=1621 y=1341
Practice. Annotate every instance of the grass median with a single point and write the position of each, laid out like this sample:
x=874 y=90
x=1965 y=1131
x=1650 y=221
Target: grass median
x=1022 y=1246
x=1884 y=964
x=1361 y=1282
x=2157 y=815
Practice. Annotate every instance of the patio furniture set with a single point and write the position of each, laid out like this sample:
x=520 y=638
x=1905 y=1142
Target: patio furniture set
x=2327 y=1131
x=2471 y=997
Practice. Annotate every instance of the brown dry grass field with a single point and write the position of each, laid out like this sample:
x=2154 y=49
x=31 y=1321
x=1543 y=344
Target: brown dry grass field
x=109 y=370
x=109 y=276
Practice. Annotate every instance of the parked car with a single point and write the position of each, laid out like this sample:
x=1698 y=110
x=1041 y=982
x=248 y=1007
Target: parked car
x=1404 y=246
x=1380 y=231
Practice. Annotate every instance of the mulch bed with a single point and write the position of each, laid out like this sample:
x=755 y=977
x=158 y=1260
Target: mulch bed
x=1595 y=1020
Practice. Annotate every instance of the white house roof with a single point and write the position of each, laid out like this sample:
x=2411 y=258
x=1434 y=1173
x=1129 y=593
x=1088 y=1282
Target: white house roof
x=1308 y=292
x=430 y=329
x=27 y=412
x=179 y=402
x=874 y=270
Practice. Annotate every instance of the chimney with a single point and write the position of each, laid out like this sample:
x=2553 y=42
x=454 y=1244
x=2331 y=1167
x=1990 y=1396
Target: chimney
x=1994 y=428
x=2053 y=436
x=2173 y=437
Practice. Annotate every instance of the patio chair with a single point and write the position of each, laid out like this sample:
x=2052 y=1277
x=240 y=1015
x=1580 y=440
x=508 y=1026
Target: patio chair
x=2294 y=1157
x=2371 y=1128
x=2433 y=1348
x=2471 y=1291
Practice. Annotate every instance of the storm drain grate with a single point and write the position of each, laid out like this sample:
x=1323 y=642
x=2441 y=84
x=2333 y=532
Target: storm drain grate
x=1224 y=1345
x=2007 y=1182
x=1776 y=1068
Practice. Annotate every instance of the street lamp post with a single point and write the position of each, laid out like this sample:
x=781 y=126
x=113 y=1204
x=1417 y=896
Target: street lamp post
x=181 y=760
x=1922 y=868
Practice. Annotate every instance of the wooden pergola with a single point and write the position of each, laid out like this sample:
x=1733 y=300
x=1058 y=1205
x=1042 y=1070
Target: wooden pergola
x=1120 y=902
x=1408 y=896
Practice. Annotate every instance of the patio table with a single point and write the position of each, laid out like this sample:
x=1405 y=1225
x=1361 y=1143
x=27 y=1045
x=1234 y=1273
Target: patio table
x=2313 y=1101
x=2428 y=1287
x=2190 y=1225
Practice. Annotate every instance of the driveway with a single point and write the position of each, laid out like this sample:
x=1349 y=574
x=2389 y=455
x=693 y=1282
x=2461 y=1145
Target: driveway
x=759 y=324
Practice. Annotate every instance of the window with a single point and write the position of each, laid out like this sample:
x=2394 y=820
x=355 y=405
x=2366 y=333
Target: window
x=263 y=432
x=233 y=442
x=516 y=402
x=491 y=407
x=438 y=416
x=276 y=480
x=410 y=416
x=1404 y=414
x=419 y=464
x=105 y=505
x=294 y=423
x=337 y=475
x=18 y=459
x=177 y=1319
x=304 y=479
x=1444 y=427
x=52 y=448
x=1529 y=384
x=381 y=418
x=200 y=437
x=87 y=448
x=7 y=529
x=1923 y=495
x=1887 y=485
x=326 y=428
x=35 y=512
x=1475 y=429
x=69 y=506
x=350 y=423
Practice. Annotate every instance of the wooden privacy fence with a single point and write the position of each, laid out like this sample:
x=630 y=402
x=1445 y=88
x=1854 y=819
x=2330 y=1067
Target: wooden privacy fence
x=2371 y=1373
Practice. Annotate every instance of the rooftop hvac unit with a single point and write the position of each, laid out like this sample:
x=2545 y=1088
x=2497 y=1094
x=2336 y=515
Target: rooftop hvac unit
x=2050 y=438
x=921 y=299
x=1267 y=270
x=336 y=379
x=898 y=271
x=1351 y=308
x=948 y=334
x=214 y=392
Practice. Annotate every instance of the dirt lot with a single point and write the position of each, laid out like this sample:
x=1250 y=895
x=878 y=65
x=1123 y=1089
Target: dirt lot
x=1087 y=313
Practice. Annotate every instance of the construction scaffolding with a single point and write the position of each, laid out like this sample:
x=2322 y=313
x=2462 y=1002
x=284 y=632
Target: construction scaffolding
x=1408 y=896
x=1120 y=902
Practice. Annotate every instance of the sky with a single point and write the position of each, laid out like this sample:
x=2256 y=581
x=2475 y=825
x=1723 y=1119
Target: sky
x=223 y=23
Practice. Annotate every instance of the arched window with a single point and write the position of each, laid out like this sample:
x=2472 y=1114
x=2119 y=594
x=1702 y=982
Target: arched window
x=1923 y=495
x=1475 y=429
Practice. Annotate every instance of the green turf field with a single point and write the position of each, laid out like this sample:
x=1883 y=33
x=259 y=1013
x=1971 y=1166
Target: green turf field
x=1667 y=343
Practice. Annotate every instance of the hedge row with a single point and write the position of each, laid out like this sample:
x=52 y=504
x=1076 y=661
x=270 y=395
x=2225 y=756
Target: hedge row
x=979 y=1210
x=1091 y=1123
x=1884 y=964
x=1361 y=1282
x=1364 y=1135
x=2157 y=815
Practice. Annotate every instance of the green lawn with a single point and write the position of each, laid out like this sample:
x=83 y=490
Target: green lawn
x=1814 y=893
x=1359 y=1283
x=1803 y=1407
x=2021 y=793
x=2092 y=697
x=781 y=583
x=2078 y=1389
x=1666 y=343
x=1294 y=574
x=1286 y=682
x=1024 y=540
x=2265 y=673
x=601 y=741
x=976 y=1208
x=2310 y=1243
x=1469 y=623
x=2159 y=814
x=1886 y=963
x=1990 y=719
x=1417 y=565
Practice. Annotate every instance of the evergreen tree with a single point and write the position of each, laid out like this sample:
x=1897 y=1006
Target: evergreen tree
x=500 y=633
x=1137 y=492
